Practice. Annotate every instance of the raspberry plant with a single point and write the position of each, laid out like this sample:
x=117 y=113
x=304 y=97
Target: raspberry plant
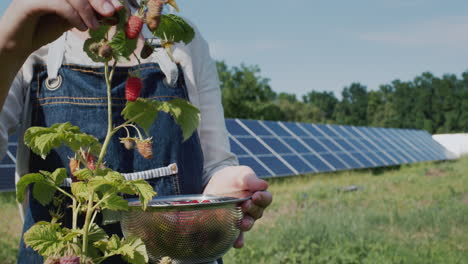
x=94 y=187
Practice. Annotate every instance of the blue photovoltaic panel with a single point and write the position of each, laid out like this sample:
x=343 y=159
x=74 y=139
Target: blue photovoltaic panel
x=276 y=128
x=298 y=164
x=257 y=167
x=275 y=149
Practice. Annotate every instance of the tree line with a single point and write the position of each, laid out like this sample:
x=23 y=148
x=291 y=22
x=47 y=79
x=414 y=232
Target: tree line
x=435 y=104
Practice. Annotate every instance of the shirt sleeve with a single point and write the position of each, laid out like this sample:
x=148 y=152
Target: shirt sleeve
x=213 y=133
x=11 y=113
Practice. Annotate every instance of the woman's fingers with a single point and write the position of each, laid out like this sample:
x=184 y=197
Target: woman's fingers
x=239 y=241
x=86 y=12
x=66 y=11
x=106 y=7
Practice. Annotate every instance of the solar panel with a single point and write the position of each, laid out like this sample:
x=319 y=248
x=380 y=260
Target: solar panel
x=275 y=149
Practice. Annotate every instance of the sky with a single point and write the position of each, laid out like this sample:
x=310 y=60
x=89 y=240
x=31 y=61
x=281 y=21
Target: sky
x=325 y=45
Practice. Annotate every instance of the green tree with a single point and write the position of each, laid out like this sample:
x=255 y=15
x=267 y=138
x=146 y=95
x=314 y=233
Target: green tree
x=245 y=94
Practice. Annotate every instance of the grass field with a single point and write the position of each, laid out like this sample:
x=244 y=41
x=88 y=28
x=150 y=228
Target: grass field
x=413 y=214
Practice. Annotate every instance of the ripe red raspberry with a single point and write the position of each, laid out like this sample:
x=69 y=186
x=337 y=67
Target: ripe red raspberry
x=133 y=88
x=134 y=25
x=145 y=148
x=70 y=260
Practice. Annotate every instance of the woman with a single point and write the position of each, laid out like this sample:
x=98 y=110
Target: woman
x=29 y=87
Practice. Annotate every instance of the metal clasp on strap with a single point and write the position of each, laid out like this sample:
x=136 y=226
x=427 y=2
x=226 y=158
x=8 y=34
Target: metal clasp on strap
x=53 y=84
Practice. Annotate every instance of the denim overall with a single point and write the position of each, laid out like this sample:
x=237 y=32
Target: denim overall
x=81 y=99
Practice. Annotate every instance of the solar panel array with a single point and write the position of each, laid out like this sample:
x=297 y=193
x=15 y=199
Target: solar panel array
x=275 y=149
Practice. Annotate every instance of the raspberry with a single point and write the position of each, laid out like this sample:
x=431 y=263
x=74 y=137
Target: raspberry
x=133 y=88
x=94 y=47
x=105 y=51
x=70 y=260
x=74 y=166
x=52 y=260
x=145 y=148
x=134 y=25
x=146 y=51
x=153 y=16
x=129 y=143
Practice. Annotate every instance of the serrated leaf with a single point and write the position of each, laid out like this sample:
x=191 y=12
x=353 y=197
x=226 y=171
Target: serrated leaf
x=24 y=182
x=83 y=174
x=143 y=110
x=42 y=140
x=99 y=33
x=186 y=115
x=45 y=238
x=115 y=203
x=58 y=176
x=80 y=191
x=144 y=191
x=93 y=56
x=133 y=251
x=122 y=47
x=43 y=192
x=174 y=28
x=96 y=233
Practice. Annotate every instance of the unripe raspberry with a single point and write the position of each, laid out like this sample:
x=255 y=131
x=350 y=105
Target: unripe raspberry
x=74 y=167
x=105 y=51
x=145 y=148
x=52 y=260
x=129 y=143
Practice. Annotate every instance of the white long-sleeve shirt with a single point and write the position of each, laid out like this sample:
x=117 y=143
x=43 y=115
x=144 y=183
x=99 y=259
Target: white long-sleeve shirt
x=201 y=79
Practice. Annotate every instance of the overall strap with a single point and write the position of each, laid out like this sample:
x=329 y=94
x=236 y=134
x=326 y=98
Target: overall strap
x=55 y=56
x=57 y=51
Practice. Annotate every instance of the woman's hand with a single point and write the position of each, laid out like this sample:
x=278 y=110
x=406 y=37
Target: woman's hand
x=29 y=24
x=242 y=178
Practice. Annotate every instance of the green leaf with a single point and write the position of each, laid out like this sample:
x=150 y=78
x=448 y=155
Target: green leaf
x=115 y=203
x=122 y=46
x=45 y=238
x=132 y=249
x=43 y=192
x=186 y=115
x=92 y=55
x=175 y=29
x=80 y=190
x=100 y=33
x=96 y=233
x=58 y=176
x=83 y=174
x=144 y=191
x=42 y=140
x=143 y=112
x=24 y=182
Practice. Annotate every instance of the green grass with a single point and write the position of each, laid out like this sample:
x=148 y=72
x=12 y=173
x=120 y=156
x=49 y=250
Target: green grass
x=413 y=214
x=10 y=228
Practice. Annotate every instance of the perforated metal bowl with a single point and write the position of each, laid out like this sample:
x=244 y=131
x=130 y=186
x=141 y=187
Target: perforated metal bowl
x=185 y=230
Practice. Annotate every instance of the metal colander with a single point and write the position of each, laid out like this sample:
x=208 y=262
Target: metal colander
x=188 y=229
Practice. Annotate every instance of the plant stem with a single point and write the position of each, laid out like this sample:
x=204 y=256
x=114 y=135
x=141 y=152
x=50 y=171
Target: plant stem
x=87 y=223
x=108 y=76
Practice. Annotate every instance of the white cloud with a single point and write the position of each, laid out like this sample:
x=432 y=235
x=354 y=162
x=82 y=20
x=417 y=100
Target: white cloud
x=449 y=32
